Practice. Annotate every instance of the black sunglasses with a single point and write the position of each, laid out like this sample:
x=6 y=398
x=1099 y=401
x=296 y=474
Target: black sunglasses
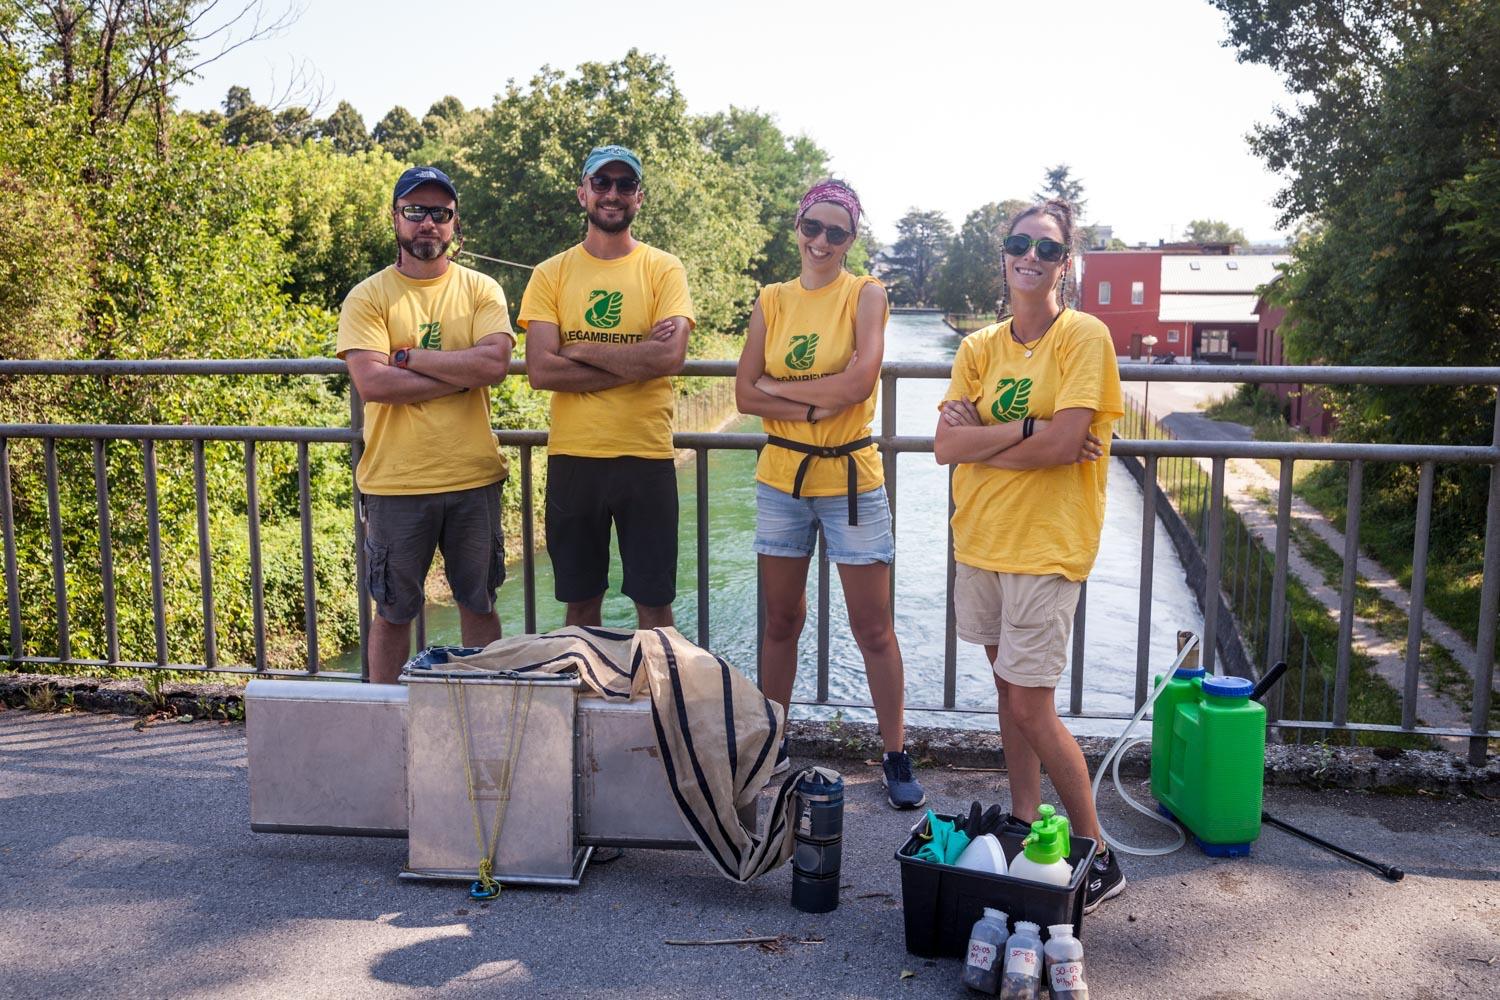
x=811 y=228
x=1051 y=251
x=416 y=213
x=625 y=185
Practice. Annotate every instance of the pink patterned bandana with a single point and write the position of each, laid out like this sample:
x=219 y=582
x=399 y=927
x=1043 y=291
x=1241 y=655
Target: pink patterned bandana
x=834 y=193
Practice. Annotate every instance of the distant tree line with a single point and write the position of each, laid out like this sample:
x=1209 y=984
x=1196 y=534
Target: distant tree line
x=930 y=264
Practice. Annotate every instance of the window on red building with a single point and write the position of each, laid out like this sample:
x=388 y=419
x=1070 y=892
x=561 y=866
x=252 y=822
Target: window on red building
x=1137 y=293
x=1104 y=293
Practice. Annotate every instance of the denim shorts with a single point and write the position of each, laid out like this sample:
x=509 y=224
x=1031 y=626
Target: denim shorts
x=785 y=526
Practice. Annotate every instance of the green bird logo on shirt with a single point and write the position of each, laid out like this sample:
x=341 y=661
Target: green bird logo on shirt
x=604 y=311
x=804 y=347
x=432 y=336
x=1010 y=403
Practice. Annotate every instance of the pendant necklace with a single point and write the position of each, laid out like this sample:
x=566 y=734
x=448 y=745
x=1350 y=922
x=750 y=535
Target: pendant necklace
x=1050 y=324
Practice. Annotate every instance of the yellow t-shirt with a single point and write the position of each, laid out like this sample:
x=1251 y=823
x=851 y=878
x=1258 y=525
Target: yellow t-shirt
x=609 y=302
x=1035 y=521
x=809 y=335
x=443 y=444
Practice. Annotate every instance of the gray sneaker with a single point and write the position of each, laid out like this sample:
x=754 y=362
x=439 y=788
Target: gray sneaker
x=902 y=789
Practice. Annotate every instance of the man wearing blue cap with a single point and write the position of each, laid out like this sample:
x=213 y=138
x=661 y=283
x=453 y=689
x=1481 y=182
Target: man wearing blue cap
x=607 y=325
x=424 y=340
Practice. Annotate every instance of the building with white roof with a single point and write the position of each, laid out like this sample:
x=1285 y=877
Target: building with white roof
x=1200 y=305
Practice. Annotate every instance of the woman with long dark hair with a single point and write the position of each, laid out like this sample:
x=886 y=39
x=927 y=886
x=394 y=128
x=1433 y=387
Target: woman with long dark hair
x=1026 y=423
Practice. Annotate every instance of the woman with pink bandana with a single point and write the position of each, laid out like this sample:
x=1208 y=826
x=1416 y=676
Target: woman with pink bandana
x=809 y=369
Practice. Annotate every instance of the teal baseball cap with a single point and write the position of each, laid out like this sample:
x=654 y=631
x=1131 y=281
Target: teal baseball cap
x=600 y=155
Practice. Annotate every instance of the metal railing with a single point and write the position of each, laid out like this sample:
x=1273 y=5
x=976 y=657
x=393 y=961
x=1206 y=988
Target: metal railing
x=1150 y=452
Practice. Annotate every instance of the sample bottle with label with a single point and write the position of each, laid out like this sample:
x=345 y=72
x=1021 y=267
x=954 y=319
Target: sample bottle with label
x=1022 y=978
x=985 y=956
x=1045 y=850
x=1064 y=959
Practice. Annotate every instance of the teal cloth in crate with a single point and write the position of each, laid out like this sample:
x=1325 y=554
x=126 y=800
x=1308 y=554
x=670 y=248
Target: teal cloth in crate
x=944 y=841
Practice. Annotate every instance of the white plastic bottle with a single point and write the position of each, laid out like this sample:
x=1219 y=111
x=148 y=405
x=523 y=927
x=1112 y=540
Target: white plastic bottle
x=985 y=957
x=1022 y=978
x=1045 y=851
x=1064 y=960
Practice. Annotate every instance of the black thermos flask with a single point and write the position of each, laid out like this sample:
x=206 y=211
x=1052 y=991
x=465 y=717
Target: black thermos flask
x=819 y=842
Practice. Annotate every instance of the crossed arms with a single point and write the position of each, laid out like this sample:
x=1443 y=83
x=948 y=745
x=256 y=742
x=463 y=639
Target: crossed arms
x=429 y=374
x=1062 y=440
x=758 y=393
x=584 y=366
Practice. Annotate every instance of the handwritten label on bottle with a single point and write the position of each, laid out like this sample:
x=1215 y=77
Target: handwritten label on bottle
x=981 y=955
x=1022 y=962
x=1068 y=976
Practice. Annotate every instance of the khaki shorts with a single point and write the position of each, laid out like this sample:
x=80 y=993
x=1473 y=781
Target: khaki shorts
x=1027 y=617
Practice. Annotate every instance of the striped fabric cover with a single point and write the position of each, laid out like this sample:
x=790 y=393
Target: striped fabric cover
x=716 y=733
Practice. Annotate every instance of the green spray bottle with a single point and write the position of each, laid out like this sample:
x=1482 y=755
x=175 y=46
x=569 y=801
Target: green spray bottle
x=1045 y=854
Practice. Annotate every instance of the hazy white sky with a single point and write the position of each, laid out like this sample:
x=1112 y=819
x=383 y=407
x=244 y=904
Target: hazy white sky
x=937 y=105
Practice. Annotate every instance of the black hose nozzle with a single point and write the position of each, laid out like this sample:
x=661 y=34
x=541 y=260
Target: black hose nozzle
x=1268 y=681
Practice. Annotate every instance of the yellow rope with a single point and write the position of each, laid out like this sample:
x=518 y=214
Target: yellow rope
x=516 y=732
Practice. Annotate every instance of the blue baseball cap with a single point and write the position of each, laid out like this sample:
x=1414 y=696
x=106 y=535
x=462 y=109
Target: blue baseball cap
x=417 y=176
x=600 y=155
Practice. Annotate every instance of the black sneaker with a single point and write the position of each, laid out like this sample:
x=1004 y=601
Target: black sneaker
x=783 y=759
x=1009 y=823
x=1105 y=881
x=902 y=789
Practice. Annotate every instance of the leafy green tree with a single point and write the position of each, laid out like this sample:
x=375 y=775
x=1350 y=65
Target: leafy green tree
x=238 y=100
x=345 y=129
x=332 y=210
x=1213 y=231
x=252 y=126
x=448 y=110
x=971 y=279
x=781 y=167
x=112 y=62
x=1058 y=182
x=294 y=126
x=174 y=263
x=399 y=133
x=922 y=241
x=443 y=128
x=1389 y=156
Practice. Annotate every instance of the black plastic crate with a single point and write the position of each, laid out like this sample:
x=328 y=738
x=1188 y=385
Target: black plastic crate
x=941 y=903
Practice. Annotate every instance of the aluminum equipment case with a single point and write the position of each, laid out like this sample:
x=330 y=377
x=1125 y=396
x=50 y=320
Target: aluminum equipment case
x=326 y=757
x=538 y=844
x=386 y=760
x=621 y=792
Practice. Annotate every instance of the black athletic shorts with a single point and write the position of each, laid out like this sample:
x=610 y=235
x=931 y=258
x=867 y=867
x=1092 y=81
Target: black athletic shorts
x=640 y=496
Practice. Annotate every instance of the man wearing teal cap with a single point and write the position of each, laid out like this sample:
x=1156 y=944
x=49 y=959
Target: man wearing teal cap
x=607 y=325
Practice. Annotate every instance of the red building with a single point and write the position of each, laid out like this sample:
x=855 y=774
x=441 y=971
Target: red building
x=1199 y=306
x=1301 y=404
x=1123 y=288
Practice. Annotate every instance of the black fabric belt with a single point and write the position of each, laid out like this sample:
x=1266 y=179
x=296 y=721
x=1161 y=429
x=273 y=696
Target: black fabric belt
x=812 y=451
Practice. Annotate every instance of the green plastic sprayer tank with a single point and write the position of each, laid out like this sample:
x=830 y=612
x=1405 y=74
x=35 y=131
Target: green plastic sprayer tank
x=1208 y=753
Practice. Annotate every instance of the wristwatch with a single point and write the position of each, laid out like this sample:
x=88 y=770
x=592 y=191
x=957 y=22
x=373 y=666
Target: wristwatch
x=401 y=357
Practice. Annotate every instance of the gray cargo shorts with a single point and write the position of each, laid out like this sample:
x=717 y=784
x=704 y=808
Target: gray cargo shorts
x=402 y=532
